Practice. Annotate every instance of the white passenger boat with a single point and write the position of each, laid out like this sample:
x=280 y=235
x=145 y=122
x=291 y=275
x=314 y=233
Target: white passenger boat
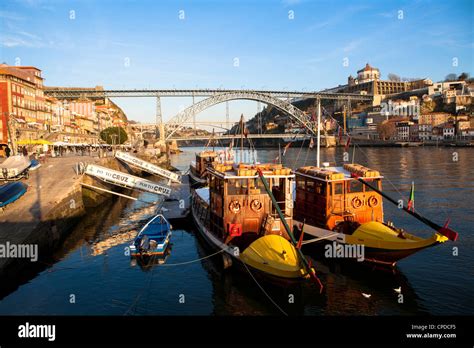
x=147 y=166
x=14 y=168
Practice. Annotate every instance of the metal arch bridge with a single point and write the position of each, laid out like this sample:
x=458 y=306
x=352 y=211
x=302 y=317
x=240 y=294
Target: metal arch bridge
x=215 y=96
x=96 y=93
x=184 y=116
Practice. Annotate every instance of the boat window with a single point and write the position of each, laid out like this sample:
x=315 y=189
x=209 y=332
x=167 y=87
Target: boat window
x=300 y=183
x=355 y=186
x=370 y=182
x=237 y=187
x=310 y=186
x=218 y=185
x=320 y=188
x=338 y=188
x=257 y=184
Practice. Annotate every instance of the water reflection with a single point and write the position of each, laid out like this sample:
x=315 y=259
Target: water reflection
x=92 y=262
x=147 y=262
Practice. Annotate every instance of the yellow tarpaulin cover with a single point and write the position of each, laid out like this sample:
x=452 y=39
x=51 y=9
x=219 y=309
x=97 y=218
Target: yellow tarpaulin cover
x=34 y=142
x=275 y=255
x=374 y=234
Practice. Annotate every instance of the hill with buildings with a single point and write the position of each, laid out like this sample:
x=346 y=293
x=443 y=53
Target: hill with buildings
x=413 y=110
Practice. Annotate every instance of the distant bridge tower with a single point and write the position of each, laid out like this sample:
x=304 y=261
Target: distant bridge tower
x=227 y=116
x=259 y=118
x=160 y=128
x=194 y=118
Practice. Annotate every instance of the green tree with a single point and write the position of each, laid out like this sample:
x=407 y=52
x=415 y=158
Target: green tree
x=386 y=130
x=428 y=106
x=450 y=77
x=394 y=77
x=463 y=77
x=114 y=135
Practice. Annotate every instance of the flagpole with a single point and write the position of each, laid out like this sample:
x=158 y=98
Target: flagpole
x=319 y=134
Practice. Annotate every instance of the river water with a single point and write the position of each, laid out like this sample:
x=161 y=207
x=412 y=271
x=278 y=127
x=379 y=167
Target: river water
x=82 y=280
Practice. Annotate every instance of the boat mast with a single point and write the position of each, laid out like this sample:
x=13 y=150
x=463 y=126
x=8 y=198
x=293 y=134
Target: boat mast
x=213 y=142
x=304 y=261
x=318 y=146
x=241 y=137
x=279 y=153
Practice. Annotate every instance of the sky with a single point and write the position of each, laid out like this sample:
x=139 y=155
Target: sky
x=281 y=45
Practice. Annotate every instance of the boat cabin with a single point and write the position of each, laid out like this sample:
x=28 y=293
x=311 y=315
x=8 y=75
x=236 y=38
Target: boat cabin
x=204 y=159
x=328 y=196
x=239 y=208
x=197 y=169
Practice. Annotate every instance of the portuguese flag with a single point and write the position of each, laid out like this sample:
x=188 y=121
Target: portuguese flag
x=411 y=200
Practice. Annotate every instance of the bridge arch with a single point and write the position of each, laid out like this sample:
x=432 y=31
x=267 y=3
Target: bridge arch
x=202 y=105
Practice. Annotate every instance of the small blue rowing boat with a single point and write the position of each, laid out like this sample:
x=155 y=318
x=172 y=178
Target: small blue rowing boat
x=153 y=238
x=10 y=192
x=35 y=164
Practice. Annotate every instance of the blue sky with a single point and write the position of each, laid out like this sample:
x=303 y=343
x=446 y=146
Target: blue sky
x=290 y=44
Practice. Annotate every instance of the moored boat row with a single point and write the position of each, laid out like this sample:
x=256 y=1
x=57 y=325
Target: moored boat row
x=342 y=206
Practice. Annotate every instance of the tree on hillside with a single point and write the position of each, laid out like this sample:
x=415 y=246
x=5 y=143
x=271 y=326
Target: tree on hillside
x=394 y=77
x=386 y=130
x=463 y=77
x=114 y=135
x=450 y=77
x=428 y=106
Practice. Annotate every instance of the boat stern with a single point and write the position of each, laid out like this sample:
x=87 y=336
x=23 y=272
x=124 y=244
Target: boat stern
x=274 y=255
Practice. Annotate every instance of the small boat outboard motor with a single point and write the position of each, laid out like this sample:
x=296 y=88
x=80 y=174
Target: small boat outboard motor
x=144 y=244
x=153 y=244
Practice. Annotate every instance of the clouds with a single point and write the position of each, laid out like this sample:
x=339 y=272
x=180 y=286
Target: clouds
x=21 y=39
x=332 y=19
x=353 y=45
x=12 y=16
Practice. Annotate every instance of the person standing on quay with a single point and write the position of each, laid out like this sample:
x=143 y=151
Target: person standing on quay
x=24 y=151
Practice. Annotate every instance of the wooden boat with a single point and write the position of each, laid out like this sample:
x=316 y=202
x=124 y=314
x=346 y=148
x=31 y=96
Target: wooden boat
x=197 y=169
x=10 y=192
x=236 y=215
x=14 y=168
x=344 y=205
x=153 y=239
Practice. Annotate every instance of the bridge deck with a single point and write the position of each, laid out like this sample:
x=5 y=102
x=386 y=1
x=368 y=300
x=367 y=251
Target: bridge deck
x=65 y=93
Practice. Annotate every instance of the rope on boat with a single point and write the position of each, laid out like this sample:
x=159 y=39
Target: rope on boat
x=263 y=290
x=318 y=239
x=299 y=153
x=135 y=303
x=192 y=261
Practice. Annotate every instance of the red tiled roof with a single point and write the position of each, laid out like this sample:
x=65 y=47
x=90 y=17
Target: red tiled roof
x=21 y=74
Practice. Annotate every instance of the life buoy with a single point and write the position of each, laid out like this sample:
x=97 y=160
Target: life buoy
x=256 y=205
x=356 y=202
x=373 y=202
x=234 y=207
